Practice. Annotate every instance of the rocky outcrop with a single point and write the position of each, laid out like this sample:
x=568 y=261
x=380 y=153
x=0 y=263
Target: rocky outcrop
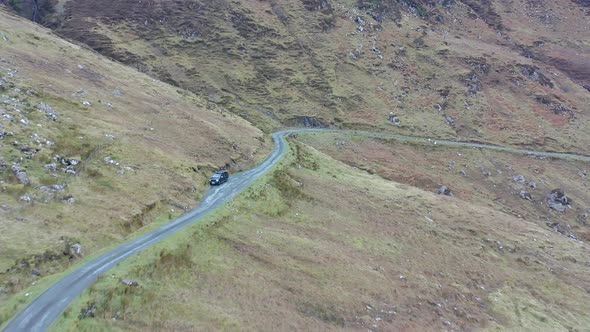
x=444 y=190
x=558 y=201
x=21 y=174
x=534 y=74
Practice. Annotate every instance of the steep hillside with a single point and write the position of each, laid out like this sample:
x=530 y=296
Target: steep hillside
x=91 y=151
x=511 y=72
x=320 y=246
x=517 y=185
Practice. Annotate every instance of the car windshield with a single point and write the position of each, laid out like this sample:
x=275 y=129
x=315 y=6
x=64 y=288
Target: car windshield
x=216 y=176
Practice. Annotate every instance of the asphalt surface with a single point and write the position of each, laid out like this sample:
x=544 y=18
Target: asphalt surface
x=44 y=310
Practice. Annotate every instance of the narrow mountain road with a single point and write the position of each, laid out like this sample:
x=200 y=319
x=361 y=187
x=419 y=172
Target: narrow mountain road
x=44 y=310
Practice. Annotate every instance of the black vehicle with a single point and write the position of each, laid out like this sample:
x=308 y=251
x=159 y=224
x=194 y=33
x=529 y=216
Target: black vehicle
x=219 y=178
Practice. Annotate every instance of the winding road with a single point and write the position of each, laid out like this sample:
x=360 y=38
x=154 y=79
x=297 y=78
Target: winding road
x=44 y=310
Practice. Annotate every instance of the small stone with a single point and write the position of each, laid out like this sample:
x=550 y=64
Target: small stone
x=51 y=167
x=393 y=119
x=444 y=190
x=450 y=121
x=557 y=200
x=525 y=195
x=519 y=179
x=76 y=249
x=88 y=312
x=21 y=175
x=130 y=283
x=48 y=110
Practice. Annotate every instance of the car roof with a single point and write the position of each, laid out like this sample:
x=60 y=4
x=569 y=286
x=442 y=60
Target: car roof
x=221 y=172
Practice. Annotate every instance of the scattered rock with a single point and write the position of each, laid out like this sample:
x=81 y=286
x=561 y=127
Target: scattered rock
x=519 y=179
x=56 y=188
x=65 y=161
x=564 y=229
x=87 y=103
x=69 y=199
x=361 y=23
x=393 y=119
x=110 y=161
x=49 y=112
x=473 y=83
x=27 y=150
x=525 y=195
x=51 y=167
x=36 y=272
x=125 y=169
x=21 y=175
x=70 y=170
x=533 y=185
x=557 y=200
x=76 y=250
x=535 y=75
x=450 y=121
x=583 y=218
x=3 y=167
x=485 y=172
x=555 y=106
x=117 y=93
x=87 y=312
x=26 y=198
x=307 y=121
x=444 y=190
x=131 y=283
x=583 y=174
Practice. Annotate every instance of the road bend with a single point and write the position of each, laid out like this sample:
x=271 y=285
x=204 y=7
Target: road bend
x=43 y=311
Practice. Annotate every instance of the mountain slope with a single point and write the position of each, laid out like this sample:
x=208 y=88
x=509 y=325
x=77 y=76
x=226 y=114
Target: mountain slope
x=321 y=246
x=91 y=151
x=511 y=72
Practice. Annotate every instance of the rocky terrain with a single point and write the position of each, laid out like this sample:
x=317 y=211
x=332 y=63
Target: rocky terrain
x=92 y=151
x=113 y=113
x=550 y=192
x=322 y=246
x=505 y=72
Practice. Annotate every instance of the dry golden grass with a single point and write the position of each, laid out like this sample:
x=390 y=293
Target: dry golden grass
x=167 y=136
x=319 y=246
x=264 y=67
x=476 y=176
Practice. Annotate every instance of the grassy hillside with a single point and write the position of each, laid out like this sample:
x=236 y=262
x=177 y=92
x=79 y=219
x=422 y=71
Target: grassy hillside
x=91 y=151
x=509 y=72
x=103 y=137
x=514 y=184
x=318 y=245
